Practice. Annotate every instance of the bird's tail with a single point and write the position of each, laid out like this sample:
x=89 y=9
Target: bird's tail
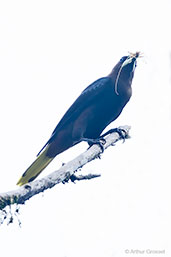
x=35 y=168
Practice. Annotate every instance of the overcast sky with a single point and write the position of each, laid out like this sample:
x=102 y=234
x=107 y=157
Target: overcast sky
x=49 y=52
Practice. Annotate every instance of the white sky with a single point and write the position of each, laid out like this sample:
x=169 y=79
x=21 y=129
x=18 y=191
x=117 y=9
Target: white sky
x=49 y=52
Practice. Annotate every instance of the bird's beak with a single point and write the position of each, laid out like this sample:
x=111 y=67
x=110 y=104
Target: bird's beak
x=131 y=57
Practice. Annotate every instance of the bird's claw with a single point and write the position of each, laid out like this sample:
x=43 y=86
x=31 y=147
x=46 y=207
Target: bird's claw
x=99 y=141
x=122 y=133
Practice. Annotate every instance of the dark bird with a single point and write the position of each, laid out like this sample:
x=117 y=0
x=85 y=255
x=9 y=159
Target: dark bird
x=97 y=106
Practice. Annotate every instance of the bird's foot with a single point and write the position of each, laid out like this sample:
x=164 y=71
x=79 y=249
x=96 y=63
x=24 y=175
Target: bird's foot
x=121 y=132
x=98 y=141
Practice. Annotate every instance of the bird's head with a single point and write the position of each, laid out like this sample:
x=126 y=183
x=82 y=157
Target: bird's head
x=123 y=71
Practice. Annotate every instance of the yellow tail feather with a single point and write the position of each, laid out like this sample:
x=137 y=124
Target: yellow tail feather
x=35 y=168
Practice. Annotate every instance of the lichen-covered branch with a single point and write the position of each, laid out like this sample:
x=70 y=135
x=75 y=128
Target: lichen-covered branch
x=65 y=173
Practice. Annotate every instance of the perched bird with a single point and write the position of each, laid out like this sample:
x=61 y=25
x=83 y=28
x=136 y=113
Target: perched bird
x=97 y=106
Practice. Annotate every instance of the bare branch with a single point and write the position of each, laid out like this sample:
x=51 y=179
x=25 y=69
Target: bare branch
x=22 y=194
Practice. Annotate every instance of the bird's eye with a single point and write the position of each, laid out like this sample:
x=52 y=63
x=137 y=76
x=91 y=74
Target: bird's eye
x=123 y=58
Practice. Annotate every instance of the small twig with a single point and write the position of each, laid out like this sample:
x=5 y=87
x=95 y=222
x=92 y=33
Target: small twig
x=74 y=177
x=24 y=193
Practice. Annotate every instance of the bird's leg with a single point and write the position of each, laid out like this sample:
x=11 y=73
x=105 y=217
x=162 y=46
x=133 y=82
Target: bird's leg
x=99 y=141
x=120 y=131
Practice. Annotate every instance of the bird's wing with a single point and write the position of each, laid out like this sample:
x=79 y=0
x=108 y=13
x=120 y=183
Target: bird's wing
x=88 y=95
